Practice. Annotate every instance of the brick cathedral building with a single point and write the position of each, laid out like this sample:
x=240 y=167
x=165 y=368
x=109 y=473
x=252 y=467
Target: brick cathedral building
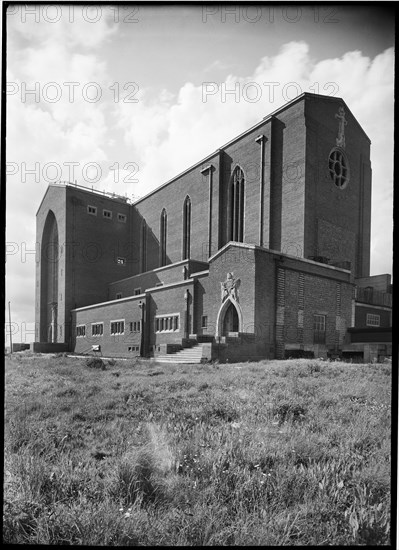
x=260 y=250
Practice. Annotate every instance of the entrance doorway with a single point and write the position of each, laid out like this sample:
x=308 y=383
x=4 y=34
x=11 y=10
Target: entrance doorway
x=230 y=321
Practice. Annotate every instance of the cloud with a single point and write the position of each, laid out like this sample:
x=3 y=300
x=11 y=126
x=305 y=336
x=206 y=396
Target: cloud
x=73 y=25
x=45 y=136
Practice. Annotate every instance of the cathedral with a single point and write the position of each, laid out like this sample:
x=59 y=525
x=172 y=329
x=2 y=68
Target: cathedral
x=260 y=250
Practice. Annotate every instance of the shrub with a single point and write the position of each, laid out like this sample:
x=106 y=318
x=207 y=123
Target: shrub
x=95 y=363
x=288 y=410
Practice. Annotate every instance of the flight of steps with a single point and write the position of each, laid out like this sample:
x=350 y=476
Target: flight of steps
x=186 y=355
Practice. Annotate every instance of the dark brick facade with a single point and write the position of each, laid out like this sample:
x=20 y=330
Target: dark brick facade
x=114 y=265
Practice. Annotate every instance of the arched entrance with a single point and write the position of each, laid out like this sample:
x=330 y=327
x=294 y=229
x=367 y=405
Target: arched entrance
x=49 y=280
x=230 y=321
x=229 y=318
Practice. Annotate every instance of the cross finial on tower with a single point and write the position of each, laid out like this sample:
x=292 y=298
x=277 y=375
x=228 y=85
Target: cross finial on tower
x=340 y=141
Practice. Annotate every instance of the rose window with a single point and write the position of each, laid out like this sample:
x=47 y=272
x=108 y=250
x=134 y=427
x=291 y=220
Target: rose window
x=339 y=168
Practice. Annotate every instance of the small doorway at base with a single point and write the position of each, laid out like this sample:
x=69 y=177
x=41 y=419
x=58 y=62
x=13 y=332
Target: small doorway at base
x=230 y=321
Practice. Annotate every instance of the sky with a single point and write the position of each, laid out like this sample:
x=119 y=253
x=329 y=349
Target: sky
x=125 y=97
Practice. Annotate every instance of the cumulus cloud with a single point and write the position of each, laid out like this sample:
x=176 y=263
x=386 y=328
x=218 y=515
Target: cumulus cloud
x=74 y=25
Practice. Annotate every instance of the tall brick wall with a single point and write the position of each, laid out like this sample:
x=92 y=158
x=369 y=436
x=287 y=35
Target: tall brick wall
x=337 y=221
x=171 y=197
x=53 y=201
x=246 y=153
x=98 y=242
x=88 y=248
x=291 y=131
x=266 y=283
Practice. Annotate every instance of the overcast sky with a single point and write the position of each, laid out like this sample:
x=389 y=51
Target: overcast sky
x=124 y=98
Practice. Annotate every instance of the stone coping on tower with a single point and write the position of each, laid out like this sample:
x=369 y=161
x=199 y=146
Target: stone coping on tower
x=92 y=190
x=137 y=296
x=276 y=253
x=200 y=273
x=110 y=302
x=162 y=268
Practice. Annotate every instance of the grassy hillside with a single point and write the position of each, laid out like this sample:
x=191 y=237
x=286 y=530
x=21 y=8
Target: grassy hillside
x=274 y=453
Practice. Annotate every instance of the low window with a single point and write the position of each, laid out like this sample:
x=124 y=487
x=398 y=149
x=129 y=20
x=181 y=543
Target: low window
x=120 y=260
x=80 y=331
x=133 y=348
x=137 y=291
x=118 y=295
x=319 y=329
x=97 y=329
x=167 y=323
x=121 y=218
x=135 y=326
x=107 y=214
x=92 y=210
x=117 y=327
x=204 y=321
x=373 y=320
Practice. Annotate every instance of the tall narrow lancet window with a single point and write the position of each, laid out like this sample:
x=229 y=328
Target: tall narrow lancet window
x=49 y=281
x=162 y=238
x=143 y=252
x=186 y=228
x=237 y=205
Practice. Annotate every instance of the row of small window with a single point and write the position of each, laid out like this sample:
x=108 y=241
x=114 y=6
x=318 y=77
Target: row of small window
x=116 y=327
x=170 y=323
x=133 y=348
x=106 y=214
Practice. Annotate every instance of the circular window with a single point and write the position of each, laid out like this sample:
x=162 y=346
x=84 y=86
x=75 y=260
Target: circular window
x=338 y=167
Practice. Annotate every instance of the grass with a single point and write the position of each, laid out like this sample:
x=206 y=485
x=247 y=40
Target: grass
x=292 y=452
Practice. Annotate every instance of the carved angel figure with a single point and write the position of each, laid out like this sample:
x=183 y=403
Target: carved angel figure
x=230 y=287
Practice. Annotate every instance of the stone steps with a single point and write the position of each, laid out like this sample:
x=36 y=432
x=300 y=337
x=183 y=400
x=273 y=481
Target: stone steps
x=191 y=355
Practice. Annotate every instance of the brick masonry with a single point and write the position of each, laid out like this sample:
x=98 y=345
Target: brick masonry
x=293 y=212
